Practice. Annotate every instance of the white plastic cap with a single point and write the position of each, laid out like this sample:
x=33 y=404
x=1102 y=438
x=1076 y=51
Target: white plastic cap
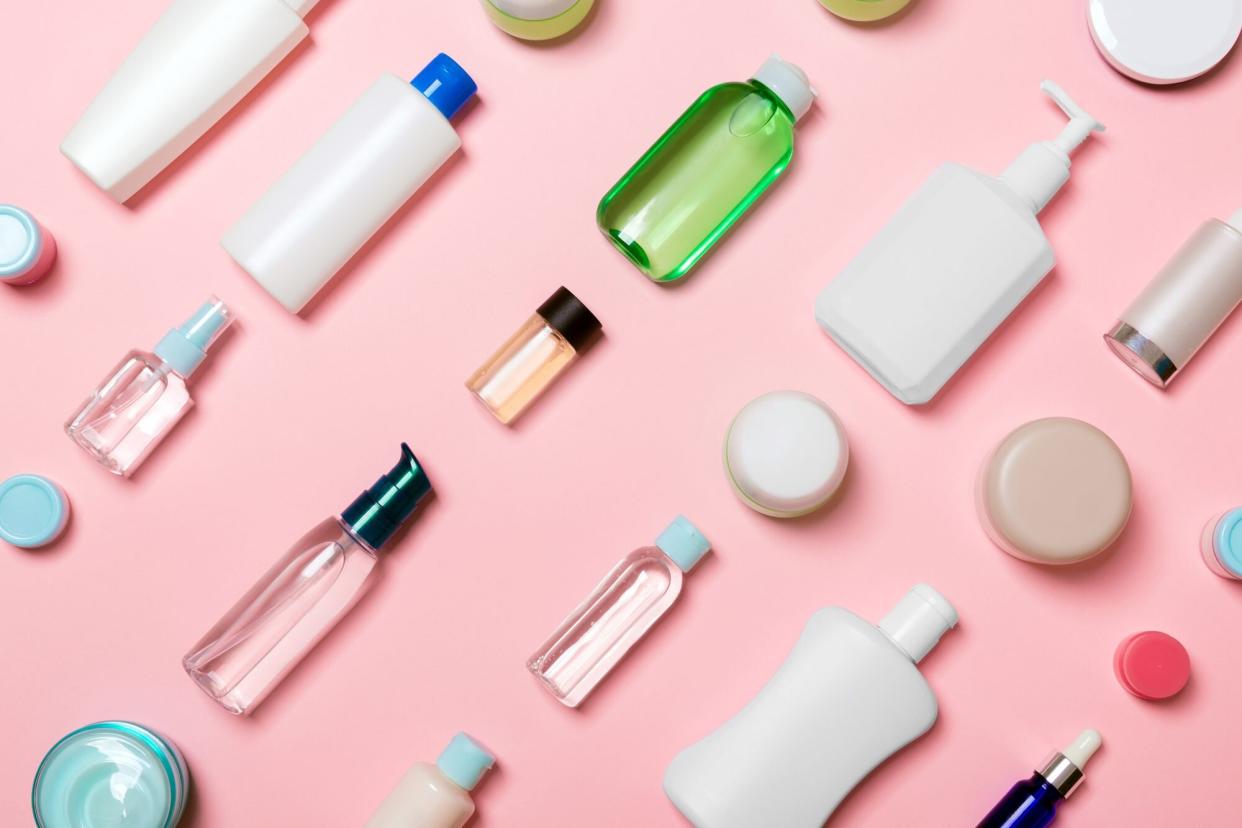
x=918 y=621
x=302 y=7
x=789 y=83
x=1083 y=748
x=1235 y=221
x=1043 y=168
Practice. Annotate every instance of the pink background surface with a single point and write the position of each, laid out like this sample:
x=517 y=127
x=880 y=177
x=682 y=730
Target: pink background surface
x=296 y=416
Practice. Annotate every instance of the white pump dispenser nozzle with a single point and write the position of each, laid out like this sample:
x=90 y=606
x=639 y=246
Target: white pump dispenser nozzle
x=1043 y=168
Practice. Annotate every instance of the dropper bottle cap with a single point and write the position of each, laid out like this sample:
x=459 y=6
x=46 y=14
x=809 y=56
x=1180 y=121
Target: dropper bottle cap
x=789 y=83
x=1064 y=770
x=184 y=348
x=377 y=514
x=1043 y=168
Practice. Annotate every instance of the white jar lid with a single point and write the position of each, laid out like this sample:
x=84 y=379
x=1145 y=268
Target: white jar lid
x=1164 y=41
x=534 y=9
x=786 y=454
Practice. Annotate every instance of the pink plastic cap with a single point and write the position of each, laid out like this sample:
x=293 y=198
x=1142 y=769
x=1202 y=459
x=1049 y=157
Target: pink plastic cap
x=1152 y=665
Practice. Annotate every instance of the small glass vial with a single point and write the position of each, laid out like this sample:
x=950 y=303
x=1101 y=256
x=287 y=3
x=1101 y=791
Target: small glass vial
x=1221 y=544
x=306 y=592
x=628 y=602
x=140 y=401
x=541 y=349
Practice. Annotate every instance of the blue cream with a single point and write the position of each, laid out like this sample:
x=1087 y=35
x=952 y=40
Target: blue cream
x=113 y=774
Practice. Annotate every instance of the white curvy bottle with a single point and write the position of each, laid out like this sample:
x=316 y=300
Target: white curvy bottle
x=198 y=60
x=437 y=796
x=950 y=266
x=363 y=169
x=849 y=696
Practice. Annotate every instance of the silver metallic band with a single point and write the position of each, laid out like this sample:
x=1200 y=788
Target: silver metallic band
x=1061 y=774
x=1141 y=354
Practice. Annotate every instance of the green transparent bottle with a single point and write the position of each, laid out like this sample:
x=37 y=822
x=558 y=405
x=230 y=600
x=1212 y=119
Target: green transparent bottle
x=711 y=165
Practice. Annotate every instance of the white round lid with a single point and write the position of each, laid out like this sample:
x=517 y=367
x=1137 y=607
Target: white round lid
x=1164 y=41
x=786 y=453
x=534 y=9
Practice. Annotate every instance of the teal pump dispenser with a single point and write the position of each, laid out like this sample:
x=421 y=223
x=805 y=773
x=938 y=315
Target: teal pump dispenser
x=184 y=348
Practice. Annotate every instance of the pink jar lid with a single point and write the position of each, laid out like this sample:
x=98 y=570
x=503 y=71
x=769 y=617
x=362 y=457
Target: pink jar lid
x=1152 y=665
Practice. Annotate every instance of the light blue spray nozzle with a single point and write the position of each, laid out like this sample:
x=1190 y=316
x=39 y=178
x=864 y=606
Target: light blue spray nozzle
x=185 y=347
x=465 y=761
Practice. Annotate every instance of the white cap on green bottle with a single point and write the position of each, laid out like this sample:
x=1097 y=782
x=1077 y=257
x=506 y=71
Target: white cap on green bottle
x=788 y=82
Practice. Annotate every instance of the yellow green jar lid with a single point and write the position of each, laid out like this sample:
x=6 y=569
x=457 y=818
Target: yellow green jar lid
x=864 y=11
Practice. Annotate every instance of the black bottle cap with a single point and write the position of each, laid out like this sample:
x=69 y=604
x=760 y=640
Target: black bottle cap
x=571 y=319
x=376 y=514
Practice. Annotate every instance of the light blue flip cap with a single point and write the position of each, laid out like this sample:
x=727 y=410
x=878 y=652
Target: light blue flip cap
x=465 y=761
x=1228 y=540
x=185 y=348
x=684 y=543
x=33 y=510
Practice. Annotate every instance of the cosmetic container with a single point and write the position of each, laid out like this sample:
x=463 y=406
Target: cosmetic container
x=1054 y=491
x=849 y=696
x=1183 y=305
x=1152 y=665
x=1155 y=42
x=537 y=19
x=639 y=590
x=116 y=774
x=1032 y=803
x=140 y=401
x=706 y=171
x=27 y=250
x=954 y=262
x=33 y=511
x=306 y=592
x=786 y=454
x=1221 y=544
x=198 y=60
x=523 y=368
x=864 y=11
x=353 y=180
x=437 y=796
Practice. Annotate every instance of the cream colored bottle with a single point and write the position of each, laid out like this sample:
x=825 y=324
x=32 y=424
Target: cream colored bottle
x=436 y=796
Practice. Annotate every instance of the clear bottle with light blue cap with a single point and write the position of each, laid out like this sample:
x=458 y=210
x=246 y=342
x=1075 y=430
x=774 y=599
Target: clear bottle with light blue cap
x=350 y=182
x=639 y=590
x=437 y=796
x=140 y=401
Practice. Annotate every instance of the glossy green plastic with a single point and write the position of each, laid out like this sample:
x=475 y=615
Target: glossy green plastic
x=694 y=183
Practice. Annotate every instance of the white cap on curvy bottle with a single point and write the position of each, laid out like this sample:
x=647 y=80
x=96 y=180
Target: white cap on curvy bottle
x=789 y=83
x=919 y=619
x=1043 y=168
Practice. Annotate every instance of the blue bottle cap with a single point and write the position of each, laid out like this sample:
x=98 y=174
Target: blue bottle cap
x=1228 y=541
x=185 y=347
x=33 y=510
x=684 y=543
x=377 y=514
x=20 y=241
x=465 y=761
x=445 y=84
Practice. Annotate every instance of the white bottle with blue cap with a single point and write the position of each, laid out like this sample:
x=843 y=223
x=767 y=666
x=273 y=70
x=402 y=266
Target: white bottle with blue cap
x=437 y=796
x=137 y=404
x=346 y=186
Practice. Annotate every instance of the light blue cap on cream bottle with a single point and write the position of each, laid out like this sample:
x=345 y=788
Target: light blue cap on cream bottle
x=464 y=761
x=683 y=543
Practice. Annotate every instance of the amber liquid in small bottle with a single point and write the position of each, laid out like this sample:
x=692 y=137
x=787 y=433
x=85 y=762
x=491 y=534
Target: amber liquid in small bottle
x=522 y=368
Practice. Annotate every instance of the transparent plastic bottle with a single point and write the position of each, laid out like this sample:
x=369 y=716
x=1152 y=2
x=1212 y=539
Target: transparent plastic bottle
x=303 y=596
x=628 y=602
x=140 y=401
x=707 y=170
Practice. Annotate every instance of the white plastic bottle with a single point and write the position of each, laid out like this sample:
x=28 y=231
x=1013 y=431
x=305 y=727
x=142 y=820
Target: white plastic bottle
x=436 y=796
x=846 y=698
x=198 y=60
x=950 y=266
x=355 y=177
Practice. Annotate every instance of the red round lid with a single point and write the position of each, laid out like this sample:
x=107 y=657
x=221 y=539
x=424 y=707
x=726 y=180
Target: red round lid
x=1152 y=665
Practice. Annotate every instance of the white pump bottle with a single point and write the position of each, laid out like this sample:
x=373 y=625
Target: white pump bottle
x=950 y=266
x=198 y=60
x=849 y=695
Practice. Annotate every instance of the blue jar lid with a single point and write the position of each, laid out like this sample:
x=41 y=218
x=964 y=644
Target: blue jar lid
x=20 y=241
x=445 y=84
x=1228 y=541
x=33 y=510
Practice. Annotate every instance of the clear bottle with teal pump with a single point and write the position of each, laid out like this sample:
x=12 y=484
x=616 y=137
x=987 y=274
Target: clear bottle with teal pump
x=706 y=171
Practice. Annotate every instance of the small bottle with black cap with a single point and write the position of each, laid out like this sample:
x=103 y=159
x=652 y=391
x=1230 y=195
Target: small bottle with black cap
x=535 y=355
x=300 y=599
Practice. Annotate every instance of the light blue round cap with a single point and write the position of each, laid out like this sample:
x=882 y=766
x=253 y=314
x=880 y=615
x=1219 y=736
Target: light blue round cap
x=465 y=761
x=684 y=543
x=1228 y=540
x=33 y=510
x=20 y=241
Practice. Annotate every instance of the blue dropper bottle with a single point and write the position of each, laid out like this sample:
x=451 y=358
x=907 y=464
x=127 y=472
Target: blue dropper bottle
x=1032 y=803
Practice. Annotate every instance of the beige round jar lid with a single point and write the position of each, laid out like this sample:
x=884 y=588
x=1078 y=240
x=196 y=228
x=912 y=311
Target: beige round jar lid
x=1055 y=491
